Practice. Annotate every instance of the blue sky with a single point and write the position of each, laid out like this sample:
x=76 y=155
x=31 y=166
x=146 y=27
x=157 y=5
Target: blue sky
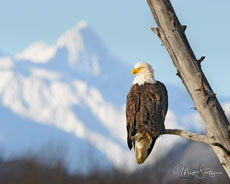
x=124 y=26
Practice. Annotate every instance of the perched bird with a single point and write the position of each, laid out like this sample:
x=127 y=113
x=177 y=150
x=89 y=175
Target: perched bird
x=146 y=108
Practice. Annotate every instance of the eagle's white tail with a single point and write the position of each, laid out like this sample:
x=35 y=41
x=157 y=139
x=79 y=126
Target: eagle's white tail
x=143 y=148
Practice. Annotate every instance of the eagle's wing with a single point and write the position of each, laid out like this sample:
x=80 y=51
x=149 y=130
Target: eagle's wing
x=132 y=107
x=153 y=109
x=146 y=108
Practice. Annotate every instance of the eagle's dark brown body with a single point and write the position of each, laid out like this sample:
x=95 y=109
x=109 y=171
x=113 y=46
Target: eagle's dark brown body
x=146 y=109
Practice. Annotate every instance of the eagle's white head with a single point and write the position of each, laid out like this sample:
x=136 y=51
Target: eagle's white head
x=144 y=73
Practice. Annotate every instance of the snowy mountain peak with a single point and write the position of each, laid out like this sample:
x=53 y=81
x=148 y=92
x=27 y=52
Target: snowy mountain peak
x=73 y=41
x=79 y=48
x=42 y=52
x=82 y=24
x=39 y=52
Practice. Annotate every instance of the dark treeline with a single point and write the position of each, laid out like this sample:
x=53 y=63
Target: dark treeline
x=52 y=169
x=33 y=171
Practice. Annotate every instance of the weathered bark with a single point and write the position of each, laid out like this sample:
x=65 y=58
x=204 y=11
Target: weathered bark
x=172 y=35
x=188 y=135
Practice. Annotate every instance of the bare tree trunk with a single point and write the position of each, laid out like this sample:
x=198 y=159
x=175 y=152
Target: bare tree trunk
x=172 y=35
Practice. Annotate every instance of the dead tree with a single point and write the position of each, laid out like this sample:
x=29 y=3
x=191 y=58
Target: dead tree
x=172 y=35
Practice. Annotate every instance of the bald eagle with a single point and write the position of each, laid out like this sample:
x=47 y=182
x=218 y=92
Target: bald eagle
x=146 y=108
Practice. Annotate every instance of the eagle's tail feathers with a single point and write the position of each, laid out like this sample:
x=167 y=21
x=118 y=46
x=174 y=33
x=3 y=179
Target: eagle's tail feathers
x=143 y=148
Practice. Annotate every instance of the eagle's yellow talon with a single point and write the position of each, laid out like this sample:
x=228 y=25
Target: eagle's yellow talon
x=148 y=136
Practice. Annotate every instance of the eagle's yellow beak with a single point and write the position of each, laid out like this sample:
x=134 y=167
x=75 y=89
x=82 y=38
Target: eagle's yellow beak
x=135 y=70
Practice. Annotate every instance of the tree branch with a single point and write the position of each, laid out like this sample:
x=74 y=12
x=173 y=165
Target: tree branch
x=222 y=147
x=171 y=33
x=188 y=135
x=196 y=137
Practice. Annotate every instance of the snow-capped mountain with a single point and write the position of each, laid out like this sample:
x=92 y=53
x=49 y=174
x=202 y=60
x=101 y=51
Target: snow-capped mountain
x=74 y=92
